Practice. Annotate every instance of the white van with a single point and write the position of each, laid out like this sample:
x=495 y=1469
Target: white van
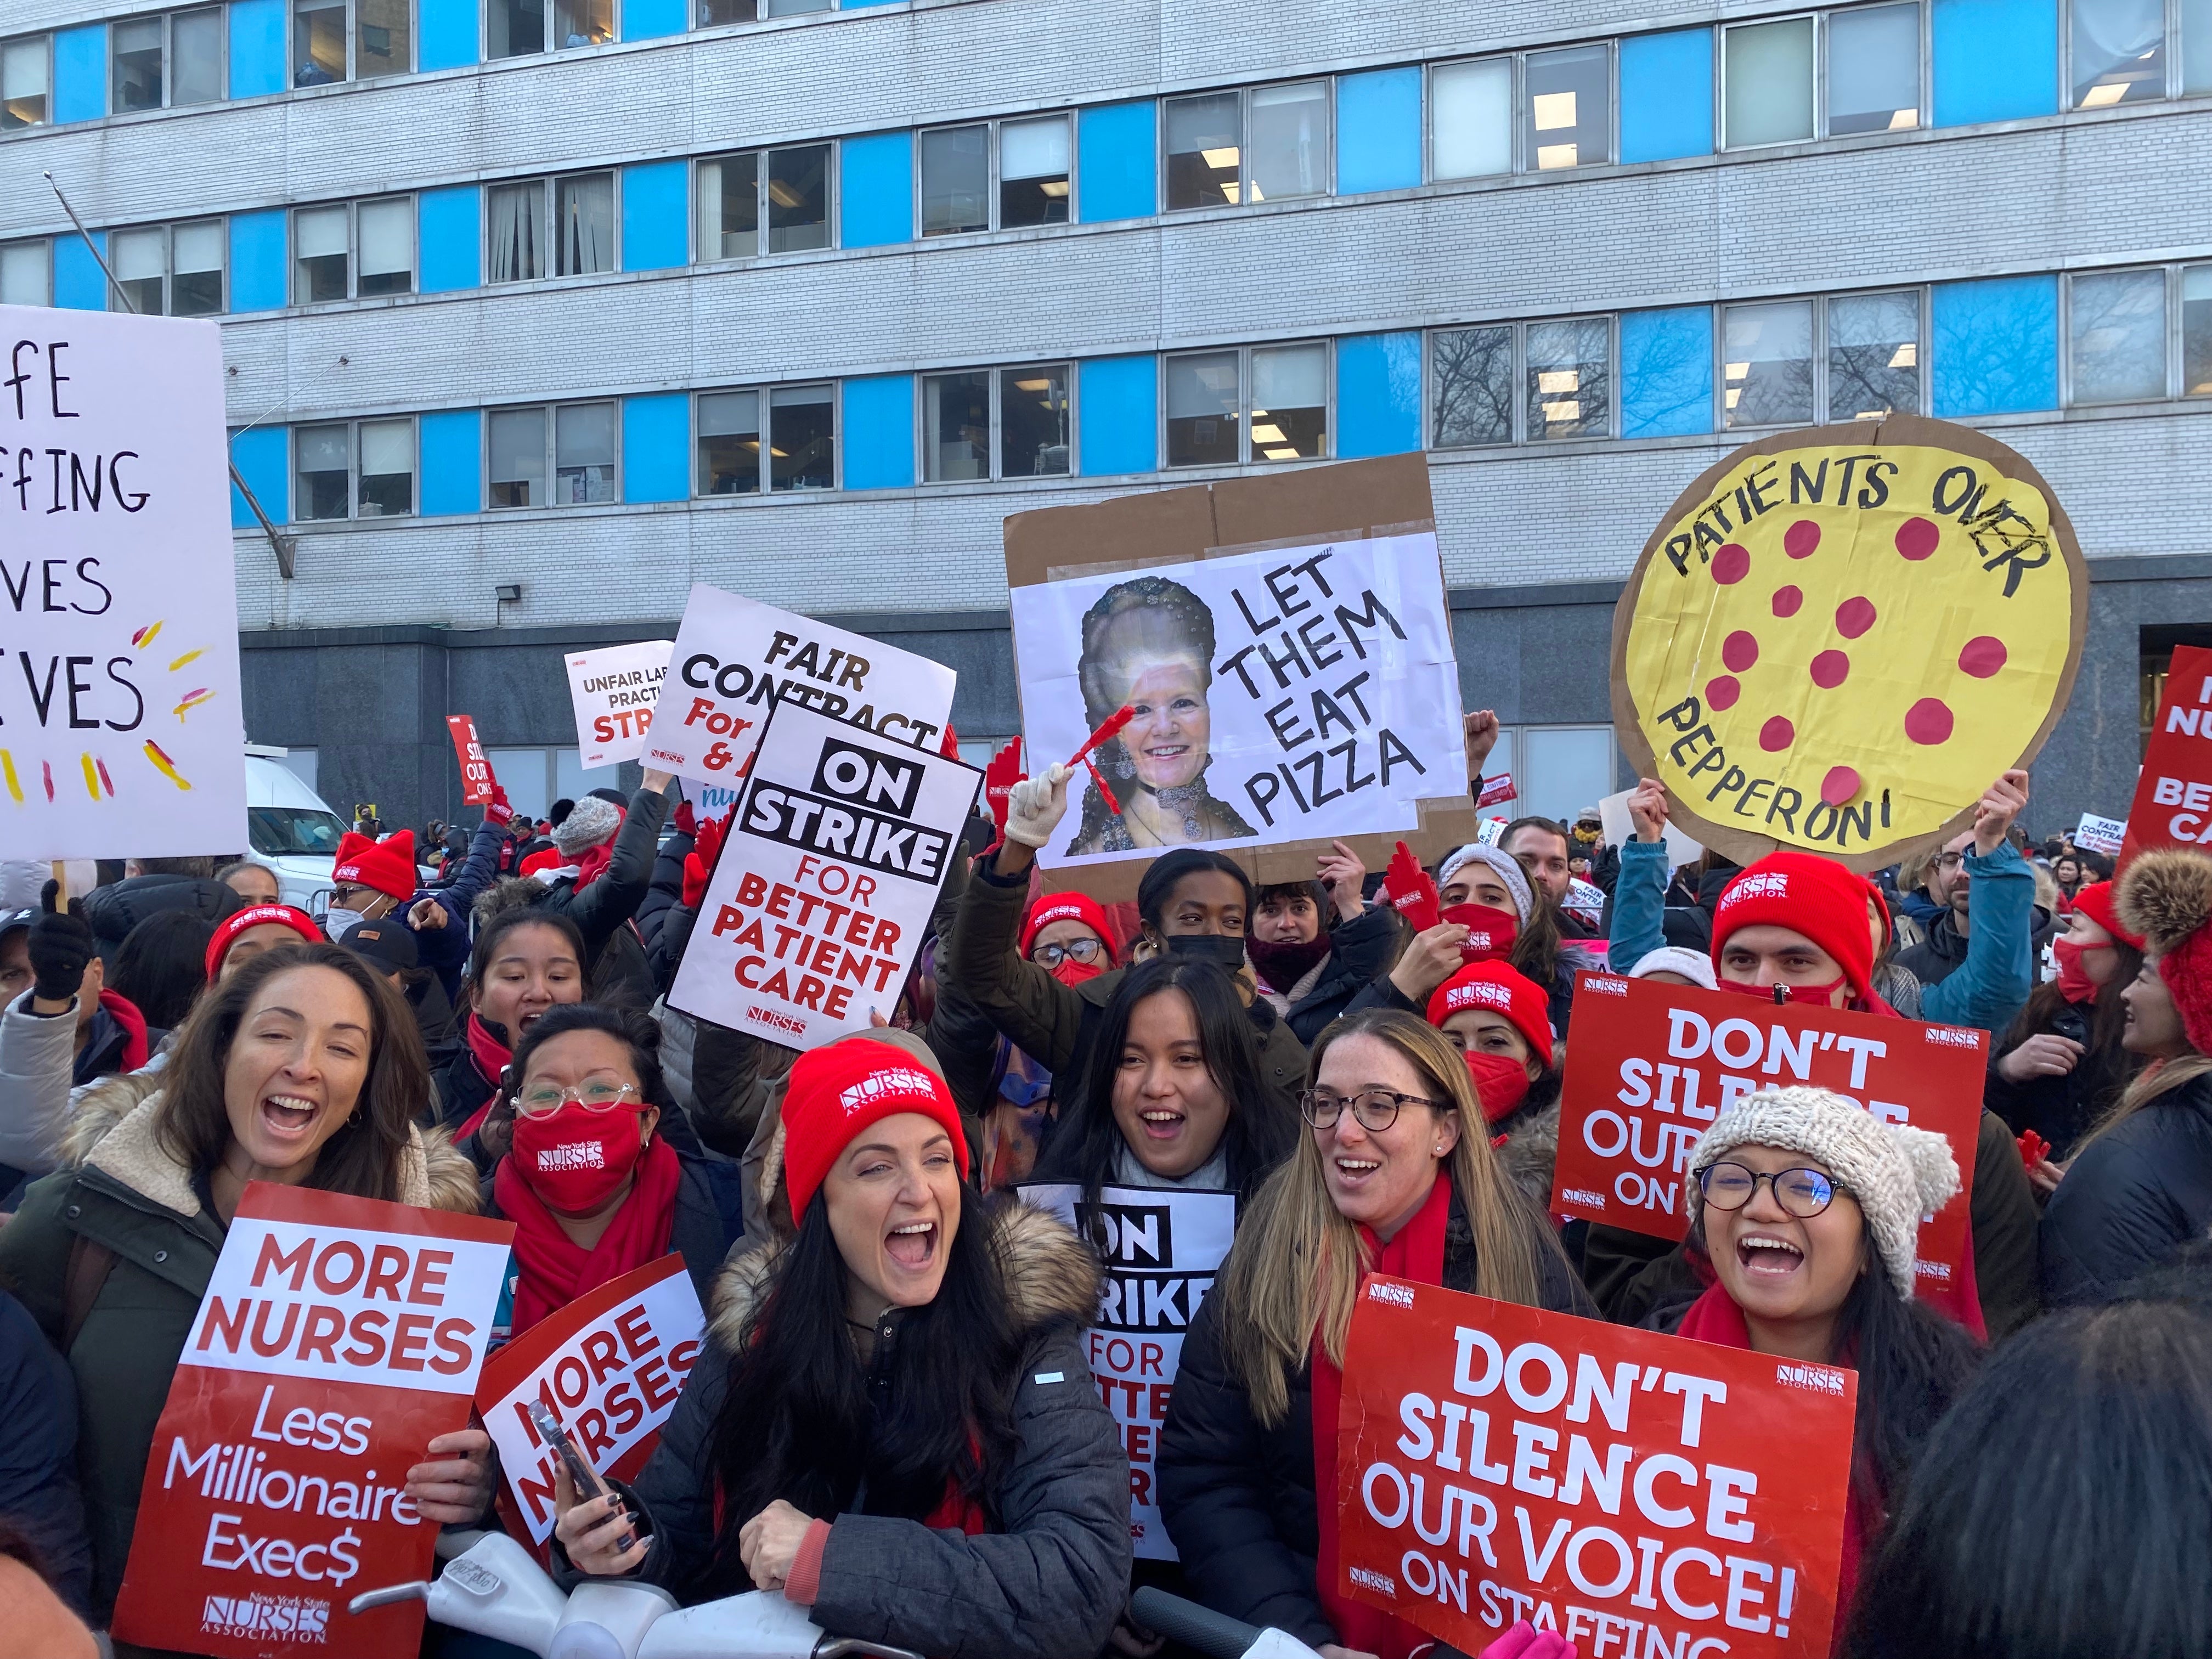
x=292 y=828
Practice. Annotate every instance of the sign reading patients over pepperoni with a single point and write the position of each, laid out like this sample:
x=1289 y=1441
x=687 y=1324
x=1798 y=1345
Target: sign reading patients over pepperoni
x=1838 y=637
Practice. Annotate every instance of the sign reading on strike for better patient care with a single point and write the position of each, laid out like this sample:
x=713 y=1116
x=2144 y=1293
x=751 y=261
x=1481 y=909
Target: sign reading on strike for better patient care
x=614 y=689
x=121 y=731
x=1162 y=1248
x=2173 y=806
x=338 y=1336
x=1838 y=637
x=735 y=658
x=1639 y=1494
x=826 y=885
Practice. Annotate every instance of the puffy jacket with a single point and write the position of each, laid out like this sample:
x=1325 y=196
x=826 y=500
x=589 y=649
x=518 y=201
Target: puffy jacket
x=112 y=911
x=2132 y=1197
x=42 y=1075
x=1358 y=950
x=444 y=951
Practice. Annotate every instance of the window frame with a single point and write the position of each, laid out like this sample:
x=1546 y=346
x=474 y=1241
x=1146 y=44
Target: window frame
x=545 y=10
x=352 y=208
x=46 y=38
x=1816 y=75
x=1822 y=388
x=2171 y=44
x=551 y=410
x=1325 y=80
x=1520 y=117
x=994 y=381
x=548 y=185
x=168 y=229
x=994 y=173
x=765 y=391
x=1823 y=60
x=830 y=173
x=2174 y=368
x=46 y=245
x=1245 y=458
x=353 y=515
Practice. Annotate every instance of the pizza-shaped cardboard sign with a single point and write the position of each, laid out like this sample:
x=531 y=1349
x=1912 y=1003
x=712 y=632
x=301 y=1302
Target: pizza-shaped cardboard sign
x=1838 y=637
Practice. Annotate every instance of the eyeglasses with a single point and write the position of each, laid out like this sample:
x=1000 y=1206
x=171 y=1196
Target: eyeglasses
x=1376 y=1109
x=1948 y=860
x=1051 y=955
x=1803 y=1193
x=547 y=1098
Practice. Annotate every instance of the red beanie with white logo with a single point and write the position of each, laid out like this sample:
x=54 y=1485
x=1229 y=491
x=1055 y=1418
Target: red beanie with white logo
x=1811 y=895
x=1502 y=990
x=257 y=915
x=1067 y=907
x=836 y=1091
x=387 y=865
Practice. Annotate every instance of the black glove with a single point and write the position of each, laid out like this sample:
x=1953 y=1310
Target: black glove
x=60 y=944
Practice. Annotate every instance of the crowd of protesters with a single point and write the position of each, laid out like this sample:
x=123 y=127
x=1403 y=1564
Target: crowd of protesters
x=891 y=1422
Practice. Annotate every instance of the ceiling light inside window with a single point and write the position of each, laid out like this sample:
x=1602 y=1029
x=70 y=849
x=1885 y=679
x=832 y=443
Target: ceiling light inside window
x=1559 y=379
x=1906 y=356
x=1054 y=186
x=1904 y=118
x=1739 y=371
x=1552 y=110
x=782 y=194
x=2108 y=92
x=1549 y=156
x=1559 y=413
x=1221 y=161
x=1267 y=432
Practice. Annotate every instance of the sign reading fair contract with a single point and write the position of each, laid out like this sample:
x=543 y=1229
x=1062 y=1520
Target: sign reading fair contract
x=1161 y=1249
x=826 y=885
x=614 y=691
x=2173 y=806
x=736 y=658
x=121 y=732
x=1639 y=1494
x=337 y=1338
x=1647 y=1078
x=477 y=783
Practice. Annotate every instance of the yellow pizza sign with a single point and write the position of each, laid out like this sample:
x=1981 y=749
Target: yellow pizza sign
x=1838 y=637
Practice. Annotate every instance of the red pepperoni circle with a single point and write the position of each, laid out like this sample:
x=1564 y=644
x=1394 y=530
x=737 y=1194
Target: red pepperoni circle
x=1854 y=617
x=1928 y=721
x=1777 y=734
x=1829 y=670
x=1721 y=693
x=1917 y=538
x=1739 y=651
x=1787 y=600
x=1731 y=564
x=1800 y=538
x=1839 y=785
x=1982 y=657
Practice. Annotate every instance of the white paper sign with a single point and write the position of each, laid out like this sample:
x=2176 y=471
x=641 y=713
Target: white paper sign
x=735 y=657
x=1286 y=696
x=826 y=885
x=1162 y=1248
x=614 y=689
x=1619 y=827
x=121 y=731
x=2100 y=834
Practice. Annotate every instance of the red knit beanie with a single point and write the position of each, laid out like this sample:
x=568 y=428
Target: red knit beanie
x=1067 y=907
x=2166 y=897
x=387 y=865
x=2099 y=903
x=1809 y=894
x=1500 y=989
x=257 y=915
x=836 y=1091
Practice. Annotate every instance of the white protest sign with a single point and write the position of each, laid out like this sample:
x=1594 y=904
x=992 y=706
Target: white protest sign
x=826 y=885
x=1621 y=828
x=2100 y=834
x=1294 y=695
x=735 y=657
x=1162 y=1248
x=614 y=689
x=121 y=730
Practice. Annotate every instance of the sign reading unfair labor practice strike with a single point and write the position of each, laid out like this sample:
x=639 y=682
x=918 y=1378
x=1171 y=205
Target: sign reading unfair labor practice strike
x=1639 y=1494
x=121 y=732
x=2173 y=806
x=338 y=1336
x=614 y=689
x=1838 y=637
x=824 y=887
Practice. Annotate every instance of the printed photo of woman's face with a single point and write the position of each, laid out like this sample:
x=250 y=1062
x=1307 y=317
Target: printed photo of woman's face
x=1167 y=737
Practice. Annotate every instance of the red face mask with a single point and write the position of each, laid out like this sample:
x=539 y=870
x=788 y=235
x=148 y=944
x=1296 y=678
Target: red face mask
x=1071 y=973
x=2074 y=984
x=1812 y=993
x=1501 y=1084
x=1492 y=931
x=575 y=1160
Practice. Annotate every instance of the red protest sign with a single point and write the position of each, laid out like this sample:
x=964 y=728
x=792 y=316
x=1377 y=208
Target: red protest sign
x=476 y=781
x=1496 y=789
x=1640 y=1494
x=1647 y=1078
x=337 y=1336
x=2173 y=806
x=609 y=1366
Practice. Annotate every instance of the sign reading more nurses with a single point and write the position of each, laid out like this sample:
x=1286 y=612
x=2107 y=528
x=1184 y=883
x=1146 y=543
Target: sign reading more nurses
x=121 y=731
x=614 y=689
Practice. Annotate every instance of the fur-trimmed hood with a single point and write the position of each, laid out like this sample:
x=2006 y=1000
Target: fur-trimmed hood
x=508 y=893
x=1053 y=1277
x=2166 y=896
x=1531 y=1150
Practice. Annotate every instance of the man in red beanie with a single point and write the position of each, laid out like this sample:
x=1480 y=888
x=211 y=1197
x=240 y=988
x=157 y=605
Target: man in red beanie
x=1793 y=926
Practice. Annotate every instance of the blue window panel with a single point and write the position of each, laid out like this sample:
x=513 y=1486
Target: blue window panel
x=452 y=444
x=642 y=19
x=1667 y=372
x=875 y=190
x=81 y=73
x=1666 y=95
x=256 y=48
x=878 y=433
x=79 y=283
x=445 y=35
x=656 y=224
x=858 y=5
x=446 y=226
x=1378 y=394
x=657 y=448
x=1117 y=173
x=1995 y=60
x=257 y=258
x=1995 y=347
x=1378 y=131
x=260 y=455
x=1117 y=402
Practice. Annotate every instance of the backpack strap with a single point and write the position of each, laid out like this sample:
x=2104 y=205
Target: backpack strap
x=89 y=1264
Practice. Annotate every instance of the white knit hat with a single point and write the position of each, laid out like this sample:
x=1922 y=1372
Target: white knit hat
x=1507 y=867
x=592 y=821
x=1694 y=965
x=1897 y=1174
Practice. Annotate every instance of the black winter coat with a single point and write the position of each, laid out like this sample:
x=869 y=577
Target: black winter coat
x=2059 y=1108
x=113 y=912
x=602 y=911
x=2131 y=1198
x=1358 y=950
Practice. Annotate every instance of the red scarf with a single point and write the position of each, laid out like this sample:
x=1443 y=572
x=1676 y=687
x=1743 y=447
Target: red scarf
x=492 y=1057
x=555 y=1270
x=591 y=863
x=124 y=1012
x=1416 y=1251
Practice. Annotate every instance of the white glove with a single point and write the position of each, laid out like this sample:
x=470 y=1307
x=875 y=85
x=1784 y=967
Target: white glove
x=1036 y=805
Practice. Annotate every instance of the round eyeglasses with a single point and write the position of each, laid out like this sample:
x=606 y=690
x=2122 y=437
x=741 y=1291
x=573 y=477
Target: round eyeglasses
x=1801 y=1193
x=1081 y=950
x=547 y=1098
x=1376 y=1109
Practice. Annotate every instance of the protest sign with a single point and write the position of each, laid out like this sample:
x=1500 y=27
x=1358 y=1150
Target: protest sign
x=734 y=658
x=2105 y=836
x=1837 y=637
x=609 y=1366
x=1648 y=1078
x=1162 y=1248
x=477 y=783
x=338 y=1337
x=1496 y=791
x=614 y=689
x=826 y=885
x=121 y=729
x=1620 y=829
x=2173 y=806
x=1639 y=1494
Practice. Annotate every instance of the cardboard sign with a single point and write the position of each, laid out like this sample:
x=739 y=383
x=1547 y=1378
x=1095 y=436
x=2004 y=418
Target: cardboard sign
x=1162 y=1248
x=1647 y=1078
x=1837 y=637
x=826 y=885
x=476 y=781
x=338 y=1336
x=735 y=658
x=1638 y=1493
x=614 y=689
x=2173 y=806
x=2105 y=836
x=121 y=730
x=610 y=1366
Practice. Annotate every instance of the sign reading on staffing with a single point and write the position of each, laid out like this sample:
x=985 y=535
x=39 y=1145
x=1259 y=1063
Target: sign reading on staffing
x=824 y=887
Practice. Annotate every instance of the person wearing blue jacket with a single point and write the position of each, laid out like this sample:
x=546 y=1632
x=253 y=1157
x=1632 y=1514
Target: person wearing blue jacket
x=39 y=1491
x=440 y=915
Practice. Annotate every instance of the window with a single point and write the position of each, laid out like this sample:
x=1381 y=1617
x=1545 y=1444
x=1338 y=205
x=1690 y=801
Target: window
x=584 y=210
x=516 y=217
x=729 y=443
x=580 y=212
x=361 y=250
x=1205 y=150
x=1288 y=416
x=583 y=22
x=1874 y=355
x=517 y=28
x=729 y=189
x=797 y=183
x=140 y=260
x=1874 y=70
x=1471 y=112
x=25 y=77
x=357 y=469
x=319 y=256
x=1290 y=140
x=956 y=427
x=322 y=457
x=383 y=42
x=802 y=453
x=2117 y=323
x=1570 y=122
x=1766 y=352
x=1204 y=404
x=518 y=458
x=1034 y=435
x=1027 y=429
x=319 y=42
x=170 y=272
x=1033 y=172
x=1211 y=162
x=1570 y=380
x=2118 y=51
x=1766 y=83
x=26 y=274
x=154 y=62
x=583 y=454
x=386 y=236
x=955 y=180
x=715 y=12
x=1471 y=371
x=802 y=438
x=958 y=190
x=2196 y=325
x=135 y=50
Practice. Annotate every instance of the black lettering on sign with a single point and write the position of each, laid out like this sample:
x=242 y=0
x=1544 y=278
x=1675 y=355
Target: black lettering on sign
x=1131 y=1235
x=838 y=829
x=1151 y=1302
x=868 y=777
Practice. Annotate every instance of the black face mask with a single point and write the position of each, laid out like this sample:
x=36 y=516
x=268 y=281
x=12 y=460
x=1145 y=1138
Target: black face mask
x=1224 y=951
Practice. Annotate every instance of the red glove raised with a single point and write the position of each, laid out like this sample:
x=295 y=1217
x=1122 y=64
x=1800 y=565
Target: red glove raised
x=2033 y=1148
x=705 y=852
x=497 y=809
x=686 y=821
